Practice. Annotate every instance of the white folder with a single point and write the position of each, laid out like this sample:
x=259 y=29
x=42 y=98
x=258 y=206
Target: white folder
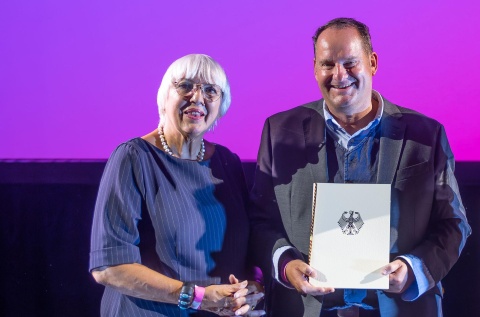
x=350 y=235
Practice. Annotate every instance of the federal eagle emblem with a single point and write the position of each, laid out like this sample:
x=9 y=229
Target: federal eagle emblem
x=350 y=222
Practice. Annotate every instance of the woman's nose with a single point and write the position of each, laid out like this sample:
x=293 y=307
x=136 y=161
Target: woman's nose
x=197 y=96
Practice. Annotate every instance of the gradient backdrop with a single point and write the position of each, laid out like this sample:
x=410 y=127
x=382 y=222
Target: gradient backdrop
x=79 y=77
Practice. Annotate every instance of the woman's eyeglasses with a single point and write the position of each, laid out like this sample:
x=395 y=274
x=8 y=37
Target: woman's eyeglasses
x=187 y=88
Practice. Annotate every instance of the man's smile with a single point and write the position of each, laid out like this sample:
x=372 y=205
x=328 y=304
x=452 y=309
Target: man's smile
x=342 y=86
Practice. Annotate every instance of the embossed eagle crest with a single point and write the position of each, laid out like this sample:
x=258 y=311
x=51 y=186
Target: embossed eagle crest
x=350 y=222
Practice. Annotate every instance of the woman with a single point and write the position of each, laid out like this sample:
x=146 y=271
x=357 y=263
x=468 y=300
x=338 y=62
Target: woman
x=170 y=229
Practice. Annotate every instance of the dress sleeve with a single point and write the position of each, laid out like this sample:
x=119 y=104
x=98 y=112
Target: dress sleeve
x=115 y=237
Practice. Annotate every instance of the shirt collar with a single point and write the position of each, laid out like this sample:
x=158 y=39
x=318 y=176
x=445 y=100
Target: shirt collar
x=333 y=125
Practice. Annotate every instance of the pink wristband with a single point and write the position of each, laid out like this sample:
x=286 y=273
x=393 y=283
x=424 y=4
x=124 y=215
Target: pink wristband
x=197 y=300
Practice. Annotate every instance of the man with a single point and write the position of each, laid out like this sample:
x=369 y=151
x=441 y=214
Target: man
x=354 y=135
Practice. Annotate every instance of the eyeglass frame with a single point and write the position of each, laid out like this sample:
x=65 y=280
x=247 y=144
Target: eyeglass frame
x=195 y=89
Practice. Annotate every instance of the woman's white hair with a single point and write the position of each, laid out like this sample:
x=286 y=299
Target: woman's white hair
x=191 y=66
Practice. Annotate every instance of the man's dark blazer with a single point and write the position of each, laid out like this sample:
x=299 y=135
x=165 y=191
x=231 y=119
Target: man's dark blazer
x=428 y=218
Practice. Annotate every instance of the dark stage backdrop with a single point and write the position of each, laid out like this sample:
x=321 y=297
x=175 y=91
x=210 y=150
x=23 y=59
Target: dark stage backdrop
x=46 y=213
x=79 y=77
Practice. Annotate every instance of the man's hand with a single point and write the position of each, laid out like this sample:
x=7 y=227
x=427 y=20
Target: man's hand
x=298 y=272
x=400 y=276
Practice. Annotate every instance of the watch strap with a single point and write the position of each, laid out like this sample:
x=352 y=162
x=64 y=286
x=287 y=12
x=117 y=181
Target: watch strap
x=187 y=294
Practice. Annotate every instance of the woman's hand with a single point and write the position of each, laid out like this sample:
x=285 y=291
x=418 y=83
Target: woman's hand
x=253 y=294
x=236 y=299
x=219 y=299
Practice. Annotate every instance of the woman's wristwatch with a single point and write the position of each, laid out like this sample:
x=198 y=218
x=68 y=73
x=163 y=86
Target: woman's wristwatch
x=191 y=296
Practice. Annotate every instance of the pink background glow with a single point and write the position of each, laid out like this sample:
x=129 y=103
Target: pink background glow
x=79 y=77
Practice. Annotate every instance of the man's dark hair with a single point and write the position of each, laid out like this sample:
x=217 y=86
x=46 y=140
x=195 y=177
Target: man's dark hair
x=343 y=23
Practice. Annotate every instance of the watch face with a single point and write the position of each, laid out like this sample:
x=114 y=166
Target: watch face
x=186 y=296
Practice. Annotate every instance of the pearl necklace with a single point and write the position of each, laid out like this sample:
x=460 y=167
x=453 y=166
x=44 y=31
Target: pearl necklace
x=167 y=149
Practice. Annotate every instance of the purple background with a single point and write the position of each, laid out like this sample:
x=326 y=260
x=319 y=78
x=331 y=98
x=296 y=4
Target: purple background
x=79 y=77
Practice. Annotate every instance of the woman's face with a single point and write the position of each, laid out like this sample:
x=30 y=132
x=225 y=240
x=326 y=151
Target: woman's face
x=191 y=115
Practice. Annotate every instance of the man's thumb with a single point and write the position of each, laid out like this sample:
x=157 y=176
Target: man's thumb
x=390 y=268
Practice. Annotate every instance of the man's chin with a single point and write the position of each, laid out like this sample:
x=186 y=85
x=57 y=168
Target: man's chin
x=340 y=102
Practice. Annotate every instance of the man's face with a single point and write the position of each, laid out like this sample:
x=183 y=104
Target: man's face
x=344 y=71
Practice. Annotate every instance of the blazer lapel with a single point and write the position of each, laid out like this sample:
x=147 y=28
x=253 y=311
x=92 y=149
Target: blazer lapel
x=315 y=141
x=392 y=131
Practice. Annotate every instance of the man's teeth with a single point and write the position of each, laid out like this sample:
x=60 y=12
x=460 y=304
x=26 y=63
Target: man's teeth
x=343 y=86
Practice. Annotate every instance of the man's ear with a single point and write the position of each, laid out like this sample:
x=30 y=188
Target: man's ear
x=374 y=62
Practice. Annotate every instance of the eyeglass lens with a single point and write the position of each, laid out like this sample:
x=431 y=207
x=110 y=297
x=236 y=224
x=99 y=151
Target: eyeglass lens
x=210 y=91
